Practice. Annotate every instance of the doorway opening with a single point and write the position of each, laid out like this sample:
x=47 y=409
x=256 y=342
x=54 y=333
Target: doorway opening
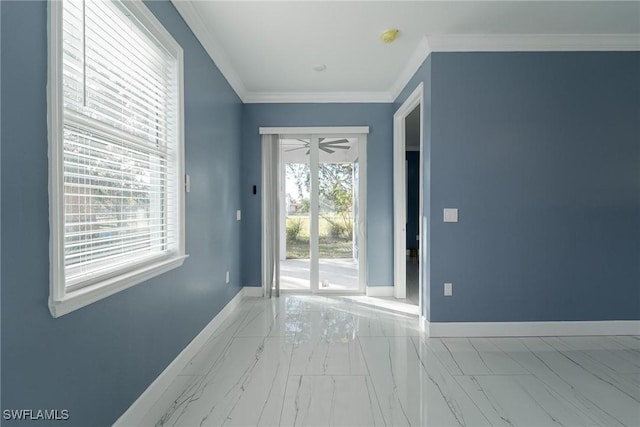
x=412 y=172
x=321 y=244
x=408 y=196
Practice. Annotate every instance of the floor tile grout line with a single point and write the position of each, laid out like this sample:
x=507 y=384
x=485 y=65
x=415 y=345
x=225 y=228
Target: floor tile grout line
x=286 y=384
x=445 y=371
x=366 y=364
x=564 y=380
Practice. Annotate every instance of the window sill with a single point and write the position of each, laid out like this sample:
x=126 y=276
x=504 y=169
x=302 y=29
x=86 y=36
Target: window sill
x=90 y=294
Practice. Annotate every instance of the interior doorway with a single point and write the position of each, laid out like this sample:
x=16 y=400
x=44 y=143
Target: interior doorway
x=412 y=172
x=408 y=144
x=321 y=244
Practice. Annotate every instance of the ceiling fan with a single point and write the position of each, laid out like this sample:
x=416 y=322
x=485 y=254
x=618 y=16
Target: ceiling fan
x=326 y=146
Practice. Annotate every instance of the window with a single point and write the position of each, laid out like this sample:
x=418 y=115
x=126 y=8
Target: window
x=115 y=150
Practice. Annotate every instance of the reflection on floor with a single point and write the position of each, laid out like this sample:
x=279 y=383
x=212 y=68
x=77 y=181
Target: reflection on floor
x=319 y=360
x=335 y=274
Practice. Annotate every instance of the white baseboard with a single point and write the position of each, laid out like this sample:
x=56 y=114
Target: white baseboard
x=252 y=291
x=531 y=329
x=379 y=291
x=133 y=416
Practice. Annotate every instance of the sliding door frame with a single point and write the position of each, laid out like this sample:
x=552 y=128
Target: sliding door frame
x=314 y=134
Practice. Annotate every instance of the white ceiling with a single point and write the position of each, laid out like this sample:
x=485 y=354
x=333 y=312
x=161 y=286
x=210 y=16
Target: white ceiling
x=266 y=49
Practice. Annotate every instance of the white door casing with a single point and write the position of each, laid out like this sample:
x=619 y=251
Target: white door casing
x=416 y=99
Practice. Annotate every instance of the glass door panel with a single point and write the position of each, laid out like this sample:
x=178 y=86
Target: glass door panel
x=321 y=217
x=295 y=177
x=337 y=214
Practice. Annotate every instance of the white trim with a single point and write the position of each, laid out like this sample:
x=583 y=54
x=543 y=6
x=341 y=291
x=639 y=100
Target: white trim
x=187 y=9
x=134 y=414
x=317 y=97
x=153 y=25
x=363 y=212
x=253 y=291
x=327 y=130
x=534 y=42
x=423 y=50
x=415 y=99
x=56 y=162
x=379 y=291
x=88 y=295
x=62 y=299
x=531 y=329
x=424 y=325
x=314 y=213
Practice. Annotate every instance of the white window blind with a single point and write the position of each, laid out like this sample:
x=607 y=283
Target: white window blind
x=120 y=143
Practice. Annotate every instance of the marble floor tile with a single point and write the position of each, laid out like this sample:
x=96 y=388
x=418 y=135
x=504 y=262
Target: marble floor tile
x=330 y=401
x=303 y=303
x=603 y=372
x=478 y=356
x=596 y=390
x=543 y=369
x=608 y=352
x=437 y=347
x=521 y=400
x=328 y=324
x=373 y=323
x=267 y=321
x=244 y=387
x=630 y=342
x=325 y=360
x=323 y=357
x=215 y=346
x=413 y=388
x=327 y=345
x=173 y=399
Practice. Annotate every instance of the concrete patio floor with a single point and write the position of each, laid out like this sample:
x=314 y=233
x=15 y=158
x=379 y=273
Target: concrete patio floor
x=340 y=274
x=337 y=274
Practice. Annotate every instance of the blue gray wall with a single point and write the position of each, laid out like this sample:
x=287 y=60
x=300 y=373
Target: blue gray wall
x=97 y=360
x=541 y=154
x=379 y=176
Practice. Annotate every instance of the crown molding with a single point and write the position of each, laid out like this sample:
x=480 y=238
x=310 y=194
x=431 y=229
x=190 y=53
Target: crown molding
x=219 y=57
x=317 y=97
x=534 y=42
x=420 y=54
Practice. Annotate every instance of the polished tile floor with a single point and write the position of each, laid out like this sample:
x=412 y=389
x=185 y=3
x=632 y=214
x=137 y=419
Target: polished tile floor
x=327 y=361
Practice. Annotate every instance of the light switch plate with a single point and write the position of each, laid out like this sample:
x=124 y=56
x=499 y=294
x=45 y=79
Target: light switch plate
x=448 y=289
x=238 y=214
x=450 y=215
x=227 y=277
x=187 y=183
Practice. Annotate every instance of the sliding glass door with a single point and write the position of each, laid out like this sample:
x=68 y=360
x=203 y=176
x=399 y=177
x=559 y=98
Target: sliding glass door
x=322 y=200
x=295 y=214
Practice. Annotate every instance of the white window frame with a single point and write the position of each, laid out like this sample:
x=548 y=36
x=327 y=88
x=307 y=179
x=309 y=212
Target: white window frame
x=62 y=300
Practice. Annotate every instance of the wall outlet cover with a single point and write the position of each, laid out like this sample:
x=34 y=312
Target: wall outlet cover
x=450 y=215
x=448 y=289
x=238 y=214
